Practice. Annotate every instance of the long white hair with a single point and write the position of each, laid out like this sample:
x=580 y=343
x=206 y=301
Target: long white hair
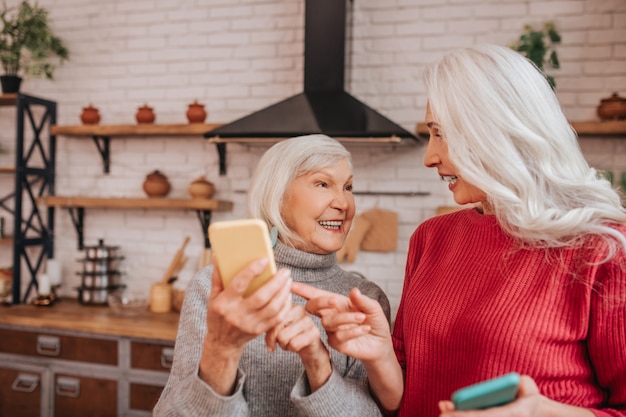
x=279 y=166
x=508 y=136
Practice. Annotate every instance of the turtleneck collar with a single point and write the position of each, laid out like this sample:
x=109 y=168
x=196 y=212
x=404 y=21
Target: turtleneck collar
x=305 y=266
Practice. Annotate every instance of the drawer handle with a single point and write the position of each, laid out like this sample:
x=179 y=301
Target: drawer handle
x=25 y=383
x=167 y=357
x=48 y=345
x=67 y=387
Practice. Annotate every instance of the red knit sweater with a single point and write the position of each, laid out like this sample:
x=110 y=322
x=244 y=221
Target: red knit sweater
x=473 y=307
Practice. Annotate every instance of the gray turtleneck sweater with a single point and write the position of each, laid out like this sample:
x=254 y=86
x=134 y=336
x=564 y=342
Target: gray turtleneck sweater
x=269 y=384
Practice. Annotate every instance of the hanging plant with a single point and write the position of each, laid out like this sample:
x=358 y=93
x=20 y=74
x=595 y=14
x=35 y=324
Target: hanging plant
x=538 y=45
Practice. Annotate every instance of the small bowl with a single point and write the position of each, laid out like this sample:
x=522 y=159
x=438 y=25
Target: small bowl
x=126 y=303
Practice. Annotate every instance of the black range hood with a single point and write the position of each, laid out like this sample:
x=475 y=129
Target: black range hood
x=323 y=106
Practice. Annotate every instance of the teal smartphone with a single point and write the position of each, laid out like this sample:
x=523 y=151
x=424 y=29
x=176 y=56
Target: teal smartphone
x=490 y=393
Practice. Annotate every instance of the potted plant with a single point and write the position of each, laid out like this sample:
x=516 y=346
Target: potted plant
x=538 y=46
x=27 y=45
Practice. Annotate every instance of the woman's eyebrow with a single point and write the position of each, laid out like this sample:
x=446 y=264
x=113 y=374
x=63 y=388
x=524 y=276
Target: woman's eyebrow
x=432 y=125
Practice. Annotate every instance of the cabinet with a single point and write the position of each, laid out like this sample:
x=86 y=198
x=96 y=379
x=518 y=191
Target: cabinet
x=105 y=366
x=33 y=173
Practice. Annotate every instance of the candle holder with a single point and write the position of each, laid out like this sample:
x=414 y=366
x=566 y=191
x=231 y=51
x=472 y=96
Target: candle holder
x=46 y=300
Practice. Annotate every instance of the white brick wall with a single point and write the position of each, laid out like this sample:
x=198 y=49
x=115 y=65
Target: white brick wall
x=237 y=57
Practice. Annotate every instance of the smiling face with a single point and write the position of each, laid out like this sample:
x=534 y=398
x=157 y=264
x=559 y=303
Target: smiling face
x=319 y=208
x=437 y=157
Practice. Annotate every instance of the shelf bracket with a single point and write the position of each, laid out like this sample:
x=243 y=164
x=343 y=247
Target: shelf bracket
x=103 y=143
x=205 y=220
x=77 y=214
x=221 y=152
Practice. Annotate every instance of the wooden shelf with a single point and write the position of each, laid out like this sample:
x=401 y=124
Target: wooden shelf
x=591 y=128
x=6 y=240
x=77 y=205
x=7 y=170
x=137 y=203
x=188 y=129
x=8 y=99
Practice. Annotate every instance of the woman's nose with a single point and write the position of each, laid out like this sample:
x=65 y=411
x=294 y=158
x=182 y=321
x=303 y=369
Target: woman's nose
x=431 y=157
x=340 y=201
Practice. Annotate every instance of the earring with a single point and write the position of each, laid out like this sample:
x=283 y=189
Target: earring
x=274 y=235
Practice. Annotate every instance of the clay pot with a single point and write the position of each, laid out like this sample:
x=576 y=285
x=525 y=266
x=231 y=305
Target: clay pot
x=156 y=184
x=90 y=115
x=145 y=114
x=201 y=188
x=612 y=108
x=196 y=112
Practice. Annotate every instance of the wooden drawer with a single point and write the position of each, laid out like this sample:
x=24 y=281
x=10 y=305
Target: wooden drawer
x=144 y=397
x=20 y=393
x=50 y=345
x=151 y=356
x=79 y=396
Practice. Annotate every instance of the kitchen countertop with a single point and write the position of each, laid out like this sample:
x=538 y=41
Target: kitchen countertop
x=68 y=314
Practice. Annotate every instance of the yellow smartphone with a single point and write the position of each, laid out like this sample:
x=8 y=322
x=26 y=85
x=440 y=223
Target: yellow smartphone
x=236 y=243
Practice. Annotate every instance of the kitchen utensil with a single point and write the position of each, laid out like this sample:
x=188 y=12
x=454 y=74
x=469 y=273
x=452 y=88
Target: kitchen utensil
x=101 y=266
x=156 y=184
x=161 y=298
x=145 y=115
x=201 y=188
x=101 y=280
x=101 y=251
x=127 y=303
x=174 y=265
x=95 y=296
x=196 y=112
x=612 y=108
x=90 y=115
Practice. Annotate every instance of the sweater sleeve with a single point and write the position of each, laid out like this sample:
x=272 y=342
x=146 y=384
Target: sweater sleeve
x=340 y=396
x=607 y=336
x=185 y=394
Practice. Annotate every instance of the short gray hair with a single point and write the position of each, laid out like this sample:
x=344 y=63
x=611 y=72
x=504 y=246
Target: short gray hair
x=279 y=166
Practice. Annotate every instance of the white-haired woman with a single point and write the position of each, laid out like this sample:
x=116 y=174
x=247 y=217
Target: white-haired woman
x=530 y=279
x=223 y=365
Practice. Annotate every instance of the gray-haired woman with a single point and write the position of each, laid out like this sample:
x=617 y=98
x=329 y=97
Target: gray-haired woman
x=223 y=365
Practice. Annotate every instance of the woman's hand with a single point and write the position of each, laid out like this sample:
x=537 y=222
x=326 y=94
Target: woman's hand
x=357 y=327
x=299 y=334
x=529 y=403
x=233 y=320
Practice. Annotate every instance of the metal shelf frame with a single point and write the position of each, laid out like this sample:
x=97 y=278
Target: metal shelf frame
x=35 y=160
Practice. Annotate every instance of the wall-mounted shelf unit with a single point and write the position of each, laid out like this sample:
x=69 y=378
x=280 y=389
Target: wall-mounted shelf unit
x=77 y=205
x=102 y=134
x=591 y=128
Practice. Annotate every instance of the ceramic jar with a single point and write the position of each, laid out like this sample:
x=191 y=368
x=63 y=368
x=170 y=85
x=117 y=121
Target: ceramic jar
x=201 y=188
x=90 y=115
x=156 y=184
x=196 y=112
x=145 y=115
x=612 y=108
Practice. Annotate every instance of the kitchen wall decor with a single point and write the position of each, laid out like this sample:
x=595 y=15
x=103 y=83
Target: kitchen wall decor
x=90 y=115
x=196 y=112
x=156 y=184
x=612 y=108
x=201 y=188
x=145 y=115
